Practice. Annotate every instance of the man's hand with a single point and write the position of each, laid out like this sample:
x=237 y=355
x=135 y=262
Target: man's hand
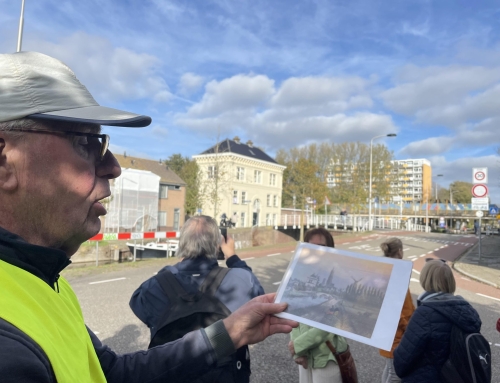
x=302 y=360
x=227 y=247
x=254 y=321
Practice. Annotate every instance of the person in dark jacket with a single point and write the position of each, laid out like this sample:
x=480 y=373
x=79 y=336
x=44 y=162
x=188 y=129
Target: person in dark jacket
x=425 y=345
x=199 y=243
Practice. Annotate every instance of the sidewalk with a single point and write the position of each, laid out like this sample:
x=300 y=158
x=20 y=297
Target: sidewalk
x=486 y=271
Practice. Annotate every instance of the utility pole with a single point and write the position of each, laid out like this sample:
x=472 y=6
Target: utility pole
x=21 y=26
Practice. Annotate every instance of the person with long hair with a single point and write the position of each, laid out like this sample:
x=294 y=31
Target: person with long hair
x=393 y=248
x=425 y=345
x=308 y=346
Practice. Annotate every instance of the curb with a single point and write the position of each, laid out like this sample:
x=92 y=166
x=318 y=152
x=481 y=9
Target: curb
x=456 y=266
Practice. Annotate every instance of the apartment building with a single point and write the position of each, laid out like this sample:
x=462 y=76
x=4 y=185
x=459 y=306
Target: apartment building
x=414 y=180
x=241 y=178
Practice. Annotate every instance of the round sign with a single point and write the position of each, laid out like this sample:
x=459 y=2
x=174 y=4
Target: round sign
x=480 y=190
x=479 y=214
x=480 y=176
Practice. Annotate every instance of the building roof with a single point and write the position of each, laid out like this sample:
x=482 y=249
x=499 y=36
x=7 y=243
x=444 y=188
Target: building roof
x=160 y=169
x=236 y=147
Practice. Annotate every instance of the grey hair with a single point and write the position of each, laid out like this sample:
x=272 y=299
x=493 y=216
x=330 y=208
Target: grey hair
x=200 y=236
x=22 y=123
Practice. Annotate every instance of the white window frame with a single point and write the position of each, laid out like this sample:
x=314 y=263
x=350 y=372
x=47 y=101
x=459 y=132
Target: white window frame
x=272 y=179
x=163 y=188
x=240 y=173
x=268 y=200
x=275 y=200
x=235 y=197
x=162 y=222
x=257 y=176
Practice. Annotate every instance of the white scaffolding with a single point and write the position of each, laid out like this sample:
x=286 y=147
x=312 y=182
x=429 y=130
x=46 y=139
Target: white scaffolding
x=134 y=202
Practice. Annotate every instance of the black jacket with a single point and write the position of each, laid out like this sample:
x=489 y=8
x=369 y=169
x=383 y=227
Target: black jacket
x=425 y=345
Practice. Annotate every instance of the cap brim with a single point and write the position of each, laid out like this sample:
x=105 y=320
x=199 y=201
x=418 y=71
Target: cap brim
x=96 y=115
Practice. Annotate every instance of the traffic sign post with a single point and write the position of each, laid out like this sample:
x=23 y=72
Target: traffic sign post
x=479 y=214
x=493 y=210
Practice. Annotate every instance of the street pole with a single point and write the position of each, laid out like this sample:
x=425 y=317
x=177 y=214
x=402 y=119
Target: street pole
x=370 y=225
x=21 y=26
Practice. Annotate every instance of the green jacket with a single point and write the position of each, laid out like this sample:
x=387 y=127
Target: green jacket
x=310 y=341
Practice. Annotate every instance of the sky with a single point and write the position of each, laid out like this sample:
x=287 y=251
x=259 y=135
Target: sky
x=285 y=73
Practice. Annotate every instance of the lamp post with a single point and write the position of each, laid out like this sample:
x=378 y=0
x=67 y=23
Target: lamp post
x=370 y=225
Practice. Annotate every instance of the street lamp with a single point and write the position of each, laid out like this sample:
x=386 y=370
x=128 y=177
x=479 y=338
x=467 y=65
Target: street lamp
x=370 y=225
x=437 y=175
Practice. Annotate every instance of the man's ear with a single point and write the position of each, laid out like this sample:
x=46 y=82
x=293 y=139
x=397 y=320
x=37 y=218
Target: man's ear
x=8 y=176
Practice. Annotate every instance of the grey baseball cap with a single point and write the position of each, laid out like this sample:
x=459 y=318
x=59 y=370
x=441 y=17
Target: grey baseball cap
x=38 y=86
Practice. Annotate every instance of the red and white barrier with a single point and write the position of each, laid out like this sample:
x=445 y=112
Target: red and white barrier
x=147 y=235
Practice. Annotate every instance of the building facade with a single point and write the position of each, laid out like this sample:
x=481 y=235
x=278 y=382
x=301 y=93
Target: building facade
x=147 y=196
x=240 y=180
x=411 y=179
x=414 y=180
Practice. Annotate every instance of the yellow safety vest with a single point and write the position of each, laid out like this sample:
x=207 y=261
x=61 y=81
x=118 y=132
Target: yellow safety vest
x=53 y=320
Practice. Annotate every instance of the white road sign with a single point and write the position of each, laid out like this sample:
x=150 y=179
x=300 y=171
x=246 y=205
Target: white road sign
x=479 y=214
x=480 y=203
x=479 y=175
x=479 y=190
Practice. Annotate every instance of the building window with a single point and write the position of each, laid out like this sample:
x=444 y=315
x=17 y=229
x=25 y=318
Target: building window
x=235 y=196
x=177 y=218
x=269 y=200
x=242 y=219
x=257 y=176
x=162 y=218
x=244 y=197
x=212 y=171
x=268 y=219
x=272 y=179
x=240 y=173
x=275 y=222
x=275 y=201
x=163 y=191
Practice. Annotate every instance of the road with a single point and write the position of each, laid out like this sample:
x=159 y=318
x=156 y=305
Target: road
x=104 y=299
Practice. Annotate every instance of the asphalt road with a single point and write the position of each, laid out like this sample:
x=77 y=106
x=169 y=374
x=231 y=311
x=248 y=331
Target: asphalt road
x=104 y=299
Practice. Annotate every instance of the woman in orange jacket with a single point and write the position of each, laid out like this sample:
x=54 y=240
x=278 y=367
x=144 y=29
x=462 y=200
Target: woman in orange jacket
x=393 y=248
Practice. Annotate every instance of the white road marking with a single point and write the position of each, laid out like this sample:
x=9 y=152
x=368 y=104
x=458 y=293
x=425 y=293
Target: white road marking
x=156 y=272
x=108 y=280
x=436 y=249
x=414 y=259
x=414 y=280
x=487 y=296
x=429 y=252
x=497 y=344
x=276 y=283
x=246 y=259
x=412 y=256
x=415 y=271
x=272 y=255
x=467 y=279
x=423 y=255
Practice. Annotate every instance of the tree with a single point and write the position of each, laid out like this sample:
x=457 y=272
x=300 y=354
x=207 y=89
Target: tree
x=189 y=171
x=301 y=179
x=459 y=192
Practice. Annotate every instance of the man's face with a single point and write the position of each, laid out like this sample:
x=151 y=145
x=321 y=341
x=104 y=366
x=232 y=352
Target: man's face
x=61 y=182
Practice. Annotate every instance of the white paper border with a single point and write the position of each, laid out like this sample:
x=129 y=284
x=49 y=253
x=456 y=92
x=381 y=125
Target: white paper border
x=390 y=311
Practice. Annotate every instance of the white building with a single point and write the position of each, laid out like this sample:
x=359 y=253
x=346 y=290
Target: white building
x=240 y=178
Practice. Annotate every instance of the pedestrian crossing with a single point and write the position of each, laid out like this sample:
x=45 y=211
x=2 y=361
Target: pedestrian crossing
x=427 y=239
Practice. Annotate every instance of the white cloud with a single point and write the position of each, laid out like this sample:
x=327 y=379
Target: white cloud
x=428 y=147
x=302 y=110
x=235 y=93
x=439 y=93
x=110 y=73
x=189 y=83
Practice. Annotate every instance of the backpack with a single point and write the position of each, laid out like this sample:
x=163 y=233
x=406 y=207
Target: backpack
x=192 y=311
x=469 y=360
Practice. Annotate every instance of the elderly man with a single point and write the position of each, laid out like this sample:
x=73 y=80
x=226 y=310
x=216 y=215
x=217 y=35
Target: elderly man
x=156 y=299
x=55 y=167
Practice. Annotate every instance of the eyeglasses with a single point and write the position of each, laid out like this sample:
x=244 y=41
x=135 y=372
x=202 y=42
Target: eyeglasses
x=102 y=139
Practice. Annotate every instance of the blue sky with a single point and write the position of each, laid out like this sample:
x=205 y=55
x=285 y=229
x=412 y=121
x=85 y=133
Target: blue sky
x=284 y=73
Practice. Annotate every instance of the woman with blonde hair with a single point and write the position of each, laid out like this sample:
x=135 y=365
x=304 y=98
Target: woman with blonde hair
x=425 y=345
x=393 y=248
x=308 y=346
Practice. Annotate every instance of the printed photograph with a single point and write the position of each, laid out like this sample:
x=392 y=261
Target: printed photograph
x=337 y=290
